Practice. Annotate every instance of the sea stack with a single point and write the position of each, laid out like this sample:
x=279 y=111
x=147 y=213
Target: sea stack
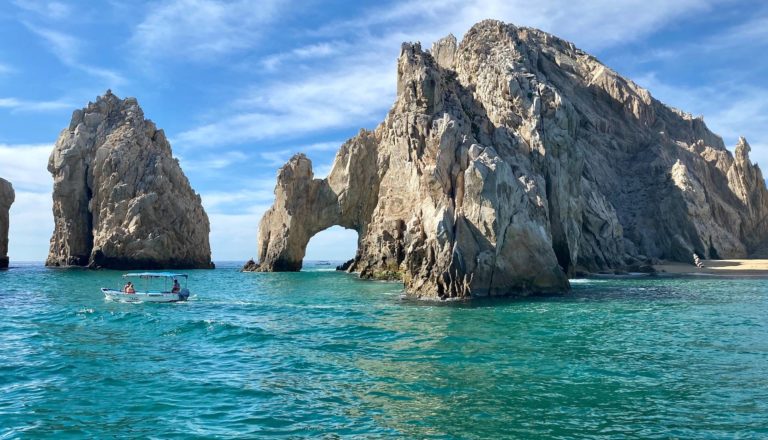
x=511 y=161
x=7 y=197
x=120 y=199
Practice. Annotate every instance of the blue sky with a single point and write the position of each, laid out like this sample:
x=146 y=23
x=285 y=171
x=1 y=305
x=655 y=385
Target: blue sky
x=241 y=85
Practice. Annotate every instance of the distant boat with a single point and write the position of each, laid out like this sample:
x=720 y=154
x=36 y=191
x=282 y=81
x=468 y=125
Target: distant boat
x=323 y=263
x=157 y=287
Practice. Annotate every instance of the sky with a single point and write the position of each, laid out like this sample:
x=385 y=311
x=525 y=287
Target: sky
x=239 y=86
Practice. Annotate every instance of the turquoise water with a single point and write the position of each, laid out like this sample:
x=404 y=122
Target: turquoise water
x=321 y=354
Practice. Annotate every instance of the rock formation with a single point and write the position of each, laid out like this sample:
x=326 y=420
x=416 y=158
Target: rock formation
x=511 y=161
x=120 y=199
x=6 y=199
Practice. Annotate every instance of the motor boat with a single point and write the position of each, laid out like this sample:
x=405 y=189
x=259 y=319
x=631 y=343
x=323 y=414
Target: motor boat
x=152 y=287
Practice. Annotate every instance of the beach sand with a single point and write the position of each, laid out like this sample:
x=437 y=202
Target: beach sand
x=717 y=267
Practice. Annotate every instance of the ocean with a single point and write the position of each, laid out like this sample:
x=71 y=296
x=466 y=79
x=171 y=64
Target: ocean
x=321 y=354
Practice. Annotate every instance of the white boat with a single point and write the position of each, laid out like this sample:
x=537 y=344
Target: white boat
x=155 y=287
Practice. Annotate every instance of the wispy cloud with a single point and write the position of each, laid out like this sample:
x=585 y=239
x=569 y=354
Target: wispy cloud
x=277 y=158
x=67 y=49
x=594 y=25
x=5 y=69
x=52 y=10
x=356 y=82
x=730 y=108
x=212 y=162
x=311 y=51
x=31 y=225
x=201 y=29
x=31 y=218
x=26 y=166
x=356 y=96
x=33 y=106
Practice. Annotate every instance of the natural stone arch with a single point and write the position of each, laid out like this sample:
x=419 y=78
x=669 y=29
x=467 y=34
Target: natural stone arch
x=304 y=206
x=336 y=243
x=513 y=158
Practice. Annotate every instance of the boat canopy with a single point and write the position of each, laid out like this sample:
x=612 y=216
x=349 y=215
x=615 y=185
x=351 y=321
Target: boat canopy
x=155 y=275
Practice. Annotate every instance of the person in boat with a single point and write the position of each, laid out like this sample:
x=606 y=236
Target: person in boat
x=129 y=288
x=176 y=286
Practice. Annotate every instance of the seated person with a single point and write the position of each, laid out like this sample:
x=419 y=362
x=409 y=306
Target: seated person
x=129 y=288
x=176 y=287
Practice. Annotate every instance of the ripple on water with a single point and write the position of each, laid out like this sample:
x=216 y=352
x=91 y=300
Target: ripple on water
x=321 y=354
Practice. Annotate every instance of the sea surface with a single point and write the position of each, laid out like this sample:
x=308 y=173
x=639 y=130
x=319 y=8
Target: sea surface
x=321 y=354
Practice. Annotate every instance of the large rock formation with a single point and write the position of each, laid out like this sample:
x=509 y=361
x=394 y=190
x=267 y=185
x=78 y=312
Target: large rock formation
x=512 y=160
x=120 y=199
x=6 y=199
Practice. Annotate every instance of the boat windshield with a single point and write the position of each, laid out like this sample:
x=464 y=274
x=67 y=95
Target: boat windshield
x=147 y=275
x=160 y=282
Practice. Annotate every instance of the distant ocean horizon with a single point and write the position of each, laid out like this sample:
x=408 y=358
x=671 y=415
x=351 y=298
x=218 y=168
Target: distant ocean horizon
x=323 y=354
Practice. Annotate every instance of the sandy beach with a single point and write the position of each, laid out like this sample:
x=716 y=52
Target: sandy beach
x=717 y=267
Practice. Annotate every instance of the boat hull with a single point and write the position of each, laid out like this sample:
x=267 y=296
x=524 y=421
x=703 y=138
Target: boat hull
x=154 y=297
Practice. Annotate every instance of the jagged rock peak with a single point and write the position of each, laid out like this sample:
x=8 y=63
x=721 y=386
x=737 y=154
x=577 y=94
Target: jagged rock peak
x=7 y=196
x=515 y=160
x=444 y=51
x=120 y=199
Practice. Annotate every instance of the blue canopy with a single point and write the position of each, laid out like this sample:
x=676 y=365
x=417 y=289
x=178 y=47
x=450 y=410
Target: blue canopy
x=155 y=275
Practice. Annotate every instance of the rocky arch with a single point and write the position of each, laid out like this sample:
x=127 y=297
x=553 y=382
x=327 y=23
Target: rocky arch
x=305 y=206
x=335 y=243
x=510 y=159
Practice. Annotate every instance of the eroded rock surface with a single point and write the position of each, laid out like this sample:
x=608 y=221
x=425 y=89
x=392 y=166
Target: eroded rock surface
x=7 y=197
x=512 y=160
x=120 y=199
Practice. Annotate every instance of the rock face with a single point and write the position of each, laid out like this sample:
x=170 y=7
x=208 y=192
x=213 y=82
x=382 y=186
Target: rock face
x=120 y=199
x=512 y=160
x=7 y=197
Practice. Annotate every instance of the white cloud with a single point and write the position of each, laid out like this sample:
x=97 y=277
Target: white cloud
x=234 y=217
x=356 y=85
x=6 y=69
x=52 y=10
x=33 y=106
x=68 y=49
x=65 y=47
x=233 y=236
x=31 y=225
x=358 y=95
x=31 y=218
x=311 y=51
x=595 y=24
x=278 y=158
x=258 y=192
x=200 y=29
x=26 y=166
x=211 y=162
x=731 y=109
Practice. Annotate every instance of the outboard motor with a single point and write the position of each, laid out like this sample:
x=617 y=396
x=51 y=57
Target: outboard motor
x=183 y=294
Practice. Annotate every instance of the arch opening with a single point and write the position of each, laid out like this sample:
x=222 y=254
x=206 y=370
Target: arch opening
x=330 y=247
